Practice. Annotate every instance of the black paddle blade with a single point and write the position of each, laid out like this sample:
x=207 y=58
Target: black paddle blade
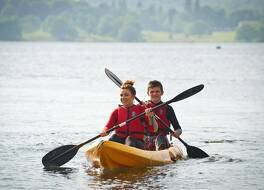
x=188 y=93
x=194 y=152
x=60 y=155
x=113 y=77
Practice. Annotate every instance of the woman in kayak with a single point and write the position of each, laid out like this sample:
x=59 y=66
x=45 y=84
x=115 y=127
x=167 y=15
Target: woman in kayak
x=134 y=132
x=158 y=140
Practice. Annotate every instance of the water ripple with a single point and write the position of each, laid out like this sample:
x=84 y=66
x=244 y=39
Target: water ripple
x=221 y=141
x=223 y=159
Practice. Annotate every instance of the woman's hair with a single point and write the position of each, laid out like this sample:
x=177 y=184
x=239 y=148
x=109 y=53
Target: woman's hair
x=155 y=83
x=129 y=85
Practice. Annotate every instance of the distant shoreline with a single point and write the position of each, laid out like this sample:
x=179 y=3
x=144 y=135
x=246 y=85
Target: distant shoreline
x=148 y=37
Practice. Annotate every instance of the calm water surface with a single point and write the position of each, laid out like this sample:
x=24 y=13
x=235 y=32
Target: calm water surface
x=53 y=94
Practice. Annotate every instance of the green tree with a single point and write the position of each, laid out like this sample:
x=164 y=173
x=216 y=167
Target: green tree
x=188 y=6
x=60 y=27
x=260 y=32
x=178 y=26
x=250 y=32
x=85 y=17
x=200 y=28
x=108 y=26
x=9 y=29
x=243 y=15
x=29 y=23
x=197 y=8
x=171 y=14
x=139 y=5
x=122 y=5
x=214 y=17
x=130 y=32
x=8 y=10
x=60 y=6
x=2 y=5
x=38 y=8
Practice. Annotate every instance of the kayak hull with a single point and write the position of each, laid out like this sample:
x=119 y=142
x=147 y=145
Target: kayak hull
x=108 y=154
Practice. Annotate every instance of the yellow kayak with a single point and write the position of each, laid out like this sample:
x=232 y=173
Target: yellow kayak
x=108 y=154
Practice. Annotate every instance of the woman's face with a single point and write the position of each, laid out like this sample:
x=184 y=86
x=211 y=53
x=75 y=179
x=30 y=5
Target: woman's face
x=155 y=94
x=126 y=97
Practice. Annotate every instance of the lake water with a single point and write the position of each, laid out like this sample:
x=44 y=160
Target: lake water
x=54 y=94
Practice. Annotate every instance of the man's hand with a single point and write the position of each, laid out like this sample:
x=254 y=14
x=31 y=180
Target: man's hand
x=177 y=133
x=149 y=112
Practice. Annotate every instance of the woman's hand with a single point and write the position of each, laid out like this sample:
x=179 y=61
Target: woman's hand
x=103 y=134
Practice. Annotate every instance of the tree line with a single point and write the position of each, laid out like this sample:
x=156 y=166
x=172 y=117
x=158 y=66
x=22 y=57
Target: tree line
x=119 y=20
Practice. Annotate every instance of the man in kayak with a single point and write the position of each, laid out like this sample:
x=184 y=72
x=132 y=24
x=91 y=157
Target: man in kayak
x=132 y=133
x=158 y=140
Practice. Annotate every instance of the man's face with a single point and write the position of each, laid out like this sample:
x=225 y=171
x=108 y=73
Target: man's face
x=155 y=94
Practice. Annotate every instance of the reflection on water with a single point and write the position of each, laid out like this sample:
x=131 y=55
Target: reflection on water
x=64 y=171
x=128 y=178
x=60 y=170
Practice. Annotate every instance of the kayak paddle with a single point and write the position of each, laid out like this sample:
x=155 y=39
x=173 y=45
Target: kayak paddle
x=192 y=151
x=65 y=153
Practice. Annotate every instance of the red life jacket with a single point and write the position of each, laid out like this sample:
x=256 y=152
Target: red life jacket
x=162 y=114
x=137 y=128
